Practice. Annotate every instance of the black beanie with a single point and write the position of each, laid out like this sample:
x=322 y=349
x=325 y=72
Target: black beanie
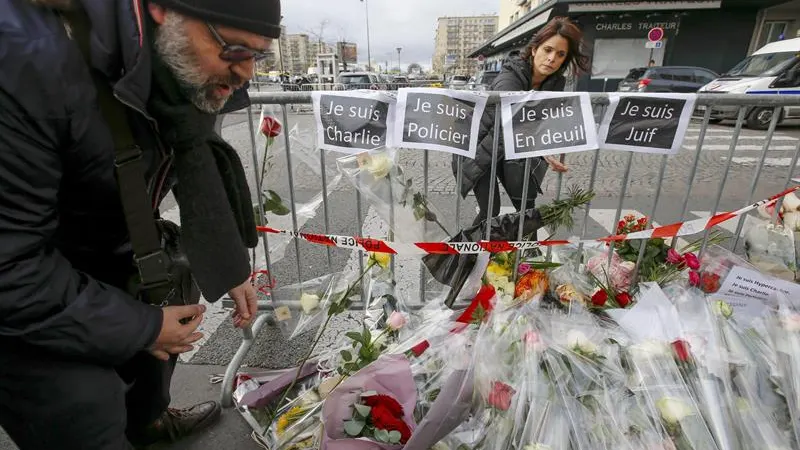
x=262 y=17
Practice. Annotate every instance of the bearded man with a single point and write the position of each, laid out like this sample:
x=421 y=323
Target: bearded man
x=105 y=107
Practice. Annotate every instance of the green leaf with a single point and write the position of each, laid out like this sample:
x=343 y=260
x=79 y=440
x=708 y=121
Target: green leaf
x=355 y=336
x=274 y=195
x=369 y=393
x=362 y=410
x=346 y=355
x=366 y=336
x=354 y=427
x=394 y=437
x=381 y=435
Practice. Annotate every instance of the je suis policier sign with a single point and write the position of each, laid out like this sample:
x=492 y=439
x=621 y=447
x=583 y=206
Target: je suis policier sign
x=547 y=123
x=355 y=121
x=440 y=120
x=646 y=123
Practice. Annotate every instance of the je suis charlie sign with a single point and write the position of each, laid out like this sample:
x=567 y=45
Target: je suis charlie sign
x=439 y=119
x=355 y=121
x=646 y=123
x=547 y=123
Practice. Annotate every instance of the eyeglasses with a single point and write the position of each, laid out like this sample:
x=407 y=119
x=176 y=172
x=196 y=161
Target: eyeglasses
x=235 y=52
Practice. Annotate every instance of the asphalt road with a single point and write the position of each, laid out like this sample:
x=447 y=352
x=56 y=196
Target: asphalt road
x=272 y=350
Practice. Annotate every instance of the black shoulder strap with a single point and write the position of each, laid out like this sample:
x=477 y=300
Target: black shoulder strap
x=151 y=260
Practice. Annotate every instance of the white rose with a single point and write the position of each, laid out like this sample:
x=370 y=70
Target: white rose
x=576 y=340
x=673 y=410
x=309 y=397
x=309 y=302
x=379 y=166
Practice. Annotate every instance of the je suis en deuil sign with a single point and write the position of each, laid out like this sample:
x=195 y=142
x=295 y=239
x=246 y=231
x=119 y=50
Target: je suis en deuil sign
x=646 y=123
x=547 y=123
x=355 y=121
x=439 y=119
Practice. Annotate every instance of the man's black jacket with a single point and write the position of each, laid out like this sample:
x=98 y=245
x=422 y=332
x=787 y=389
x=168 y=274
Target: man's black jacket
x=63 y=239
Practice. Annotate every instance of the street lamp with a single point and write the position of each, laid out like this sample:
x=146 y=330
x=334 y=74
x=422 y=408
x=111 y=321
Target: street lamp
x=399 y=69
x=369 y=53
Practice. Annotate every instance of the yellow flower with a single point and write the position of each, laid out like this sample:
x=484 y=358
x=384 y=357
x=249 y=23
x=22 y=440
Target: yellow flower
x=381 y=259
x=498 y=270
x=288 y=418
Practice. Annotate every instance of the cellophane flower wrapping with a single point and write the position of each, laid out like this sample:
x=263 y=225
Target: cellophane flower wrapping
x=383 y=182
x=771 y=248
x=784 y=326
x=302 y=307
x=760 y=411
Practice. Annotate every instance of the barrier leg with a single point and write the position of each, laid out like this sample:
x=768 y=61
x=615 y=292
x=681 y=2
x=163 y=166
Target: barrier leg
x=249 y=335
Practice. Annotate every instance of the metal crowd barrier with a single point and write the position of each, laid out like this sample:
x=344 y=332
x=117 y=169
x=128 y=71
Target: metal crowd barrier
x=705 y=104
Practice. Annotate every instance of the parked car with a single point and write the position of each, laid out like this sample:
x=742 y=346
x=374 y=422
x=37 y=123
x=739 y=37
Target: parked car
x=361 y=80
x=772 y=69
x=666 y=79
x=483 y=80
x=400 y=82
x=458 y=82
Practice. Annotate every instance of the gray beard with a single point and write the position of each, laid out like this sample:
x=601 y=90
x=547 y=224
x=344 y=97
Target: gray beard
x=173 y=45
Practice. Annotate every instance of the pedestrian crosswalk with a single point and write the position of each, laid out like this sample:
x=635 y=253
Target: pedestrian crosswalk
x=720 y=137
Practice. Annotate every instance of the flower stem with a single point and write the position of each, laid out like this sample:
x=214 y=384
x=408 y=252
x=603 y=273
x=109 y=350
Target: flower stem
x=314 y=345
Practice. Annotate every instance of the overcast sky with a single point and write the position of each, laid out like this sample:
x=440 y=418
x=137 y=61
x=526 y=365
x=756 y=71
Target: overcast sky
x=410 y=24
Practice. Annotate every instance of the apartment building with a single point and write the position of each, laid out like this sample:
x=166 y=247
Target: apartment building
x=456 y=37
x=513 y=10
x=296 y=50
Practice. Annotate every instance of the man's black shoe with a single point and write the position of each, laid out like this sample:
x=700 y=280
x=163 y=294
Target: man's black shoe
x=175 y=424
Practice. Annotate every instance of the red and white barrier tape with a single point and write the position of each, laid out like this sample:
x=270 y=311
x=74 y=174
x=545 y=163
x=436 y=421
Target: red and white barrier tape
x=464 y=248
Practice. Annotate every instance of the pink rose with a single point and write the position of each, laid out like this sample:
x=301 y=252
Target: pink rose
x=694 y=278
x=674 y=257
x=523 y=268
x=396 y=321
x=691 y=261
x=500 y=397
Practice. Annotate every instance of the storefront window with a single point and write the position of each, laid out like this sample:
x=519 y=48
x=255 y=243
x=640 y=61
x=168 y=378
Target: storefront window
x=614 y=58
x=771 y=32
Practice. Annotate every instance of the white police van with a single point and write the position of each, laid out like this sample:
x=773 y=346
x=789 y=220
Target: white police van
x=773 y=69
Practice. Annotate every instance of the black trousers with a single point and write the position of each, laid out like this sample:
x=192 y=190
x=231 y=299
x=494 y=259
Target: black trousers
x=513 y=186
x=48 y=402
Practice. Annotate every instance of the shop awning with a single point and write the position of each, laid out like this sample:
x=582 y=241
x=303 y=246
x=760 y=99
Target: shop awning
x=539 y=20
x=614 y=6
x=517 y=30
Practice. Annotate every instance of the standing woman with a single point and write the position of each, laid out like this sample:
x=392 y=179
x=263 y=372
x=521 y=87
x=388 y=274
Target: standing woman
x=540 y=67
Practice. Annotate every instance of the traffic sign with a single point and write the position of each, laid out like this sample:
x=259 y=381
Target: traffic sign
x=655 y=34
x=651 y=44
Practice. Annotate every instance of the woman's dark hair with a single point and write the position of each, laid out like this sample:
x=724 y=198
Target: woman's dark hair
x=564 y=27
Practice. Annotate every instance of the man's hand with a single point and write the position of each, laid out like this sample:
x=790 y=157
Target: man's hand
x=246 y=299
x=556 y=165
x=176 y=337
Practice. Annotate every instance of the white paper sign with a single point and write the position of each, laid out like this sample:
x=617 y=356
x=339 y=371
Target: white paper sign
x=742 y=282
x=439 y=119
x=547 y=123
x=646 y=123
x=353 y=121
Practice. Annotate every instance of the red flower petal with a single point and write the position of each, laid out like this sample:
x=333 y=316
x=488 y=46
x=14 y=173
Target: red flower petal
x=681 y=350
x=599 y=298
x=420 y=348
x=385 y=401
x=624 y=299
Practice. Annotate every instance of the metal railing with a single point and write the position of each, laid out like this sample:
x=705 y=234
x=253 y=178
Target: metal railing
x=682 y=176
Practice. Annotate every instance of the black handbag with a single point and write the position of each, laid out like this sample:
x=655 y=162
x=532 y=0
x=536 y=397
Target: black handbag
x=163 y=276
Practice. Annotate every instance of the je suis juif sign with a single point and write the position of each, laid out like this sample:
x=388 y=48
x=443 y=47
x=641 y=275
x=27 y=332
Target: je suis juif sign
x=439 y=119
x=547 y=123
x=646 y=123
x=355 y=121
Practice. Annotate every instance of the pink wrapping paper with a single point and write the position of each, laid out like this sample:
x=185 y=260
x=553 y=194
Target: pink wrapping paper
x=389 y=375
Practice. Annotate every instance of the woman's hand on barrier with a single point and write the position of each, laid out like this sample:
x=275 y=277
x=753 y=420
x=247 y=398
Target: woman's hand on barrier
x=246 y=299
x=555 y=164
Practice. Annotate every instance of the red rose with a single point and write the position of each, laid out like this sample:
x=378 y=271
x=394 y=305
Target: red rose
x=381 y=417
x=420 y=348
x=599 y=298
x=623 y=299
x=386 y=402
x=681 y=350
x=709 y=282
x=270 y=127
